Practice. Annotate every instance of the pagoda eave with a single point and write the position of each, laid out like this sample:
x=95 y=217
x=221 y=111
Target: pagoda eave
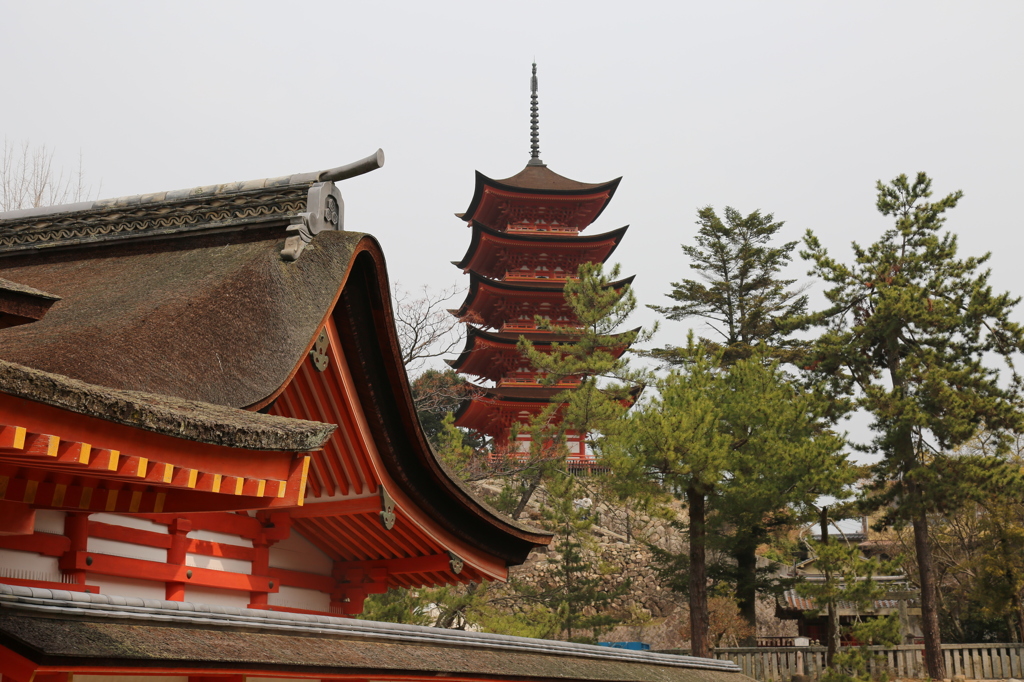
x=550 y=188
x=484 y=301
x=482 y=255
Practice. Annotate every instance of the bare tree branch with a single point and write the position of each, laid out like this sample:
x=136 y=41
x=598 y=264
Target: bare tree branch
x=425 y=327
x=28 y=179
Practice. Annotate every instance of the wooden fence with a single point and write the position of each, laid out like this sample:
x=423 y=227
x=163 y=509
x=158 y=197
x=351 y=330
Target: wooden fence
x=973 y=661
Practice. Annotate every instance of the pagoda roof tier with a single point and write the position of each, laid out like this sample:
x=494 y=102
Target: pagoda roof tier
x=491 y=354
x=491 y=252
x=537 y=194
x=494 y=410
x=492 y=303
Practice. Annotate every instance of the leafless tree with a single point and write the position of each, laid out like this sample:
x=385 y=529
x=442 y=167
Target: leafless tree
x=425 y=327
x=28 y=178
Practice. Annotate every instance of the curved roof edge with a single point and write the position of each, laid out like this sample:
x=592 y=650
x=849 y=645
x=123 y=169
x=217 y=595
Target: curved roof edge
x=366 y=328
x=473 y=333
x=372 y=162
x=558 y=186
x=476 y=280
x=480 y=229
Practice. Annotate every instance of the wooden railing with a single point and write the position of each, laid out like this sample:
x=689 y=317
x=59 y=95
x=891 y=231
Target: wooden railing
x=973 y=661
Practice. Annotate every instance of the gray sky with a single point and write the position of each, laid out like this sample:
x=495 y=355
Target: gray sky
x=795 y=108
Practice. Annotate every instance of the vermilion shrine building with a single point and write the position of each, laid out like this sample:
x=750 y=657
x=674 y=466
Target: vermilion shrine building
x=525 y=245
x=209 y=455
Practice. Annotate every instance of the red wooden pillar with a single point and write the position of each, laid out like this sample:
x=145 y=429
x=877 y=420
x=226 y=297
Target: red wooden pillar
x=260 y=566
x=76 y=528
x=277 y=526
x=178 y=529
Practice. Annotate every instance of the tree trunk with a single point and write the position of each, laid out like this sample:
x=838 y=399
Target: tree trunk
x=698 y=575
x=929 y=597
x=746 y=584
x=1019 y=612
x=524 y=499
x=833 y=634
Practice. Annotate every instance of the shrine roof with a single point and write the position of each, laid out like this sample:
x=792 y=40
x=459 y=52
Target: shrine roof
x=15 y=288
x=170 y=416
x=176 y=317
x=66 y=629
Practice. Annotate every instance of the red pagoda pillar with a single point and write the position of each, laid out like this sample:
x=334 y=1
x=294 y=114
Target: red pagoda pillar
x=525 y=245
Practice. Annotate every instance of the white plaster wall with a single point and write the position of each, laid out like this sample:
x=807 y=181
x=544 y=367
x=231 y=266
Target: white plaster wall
x=128 y=522
x=127 y=587
x=218 y=563
x=211 y=595
x=296 y=553
x=28 y=566
x=300 y=598
x=126 y=549
x=50 y=521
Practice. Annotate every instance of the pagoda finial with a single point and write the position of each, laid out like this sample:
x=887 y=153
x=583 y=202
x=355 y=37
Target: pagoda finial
x=534 y=122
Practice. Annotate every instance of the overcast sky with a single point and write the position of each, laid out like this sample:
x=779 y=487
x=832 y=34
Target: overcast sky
x=794 y=108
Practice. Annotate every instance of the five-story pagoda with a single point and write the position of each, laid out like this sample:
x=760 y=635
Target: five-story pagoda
x=525 y=244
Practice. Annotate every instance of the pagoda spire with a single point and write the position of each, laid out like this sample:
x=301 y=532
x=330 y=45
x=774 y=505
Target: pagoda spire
x=534 y=122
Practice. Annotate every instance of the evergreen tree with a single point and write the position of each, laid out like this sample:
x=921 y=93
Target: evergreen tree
x=742 y=295
x=849 y=577
x=576 y=598
x=741 y=442
x=677 y=439
x=782 y=458
x=594 y=357
x=906 y=333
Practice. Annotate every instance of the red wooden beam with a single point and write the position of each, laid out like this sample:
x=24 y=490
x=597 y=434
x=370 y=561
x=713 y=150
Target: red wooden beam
x=310 y=581
x=46 y=544
x=444 y=563
x=124 y=567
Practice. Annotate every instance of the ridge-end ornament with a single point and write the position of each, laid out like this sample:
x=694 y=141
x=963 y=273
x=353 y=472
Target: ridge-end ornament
x=318 y=353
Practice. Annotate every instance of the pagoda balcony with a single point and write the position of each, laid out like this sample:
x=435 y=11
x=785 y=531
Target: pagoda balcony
x=541 y=228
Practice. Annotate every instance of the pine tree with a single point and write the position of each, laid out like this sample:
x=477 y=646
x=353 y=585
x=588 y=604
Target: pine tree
x=742 y=295
x=677 y=439
x=739 y=444
x=594 y=356
x=573 y=595
x=849 y=577
x=909 y=332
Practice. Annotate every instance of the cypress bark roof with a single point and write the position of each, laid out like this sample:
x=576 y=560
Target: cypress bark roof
x=217 y=318
x=61 y=628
